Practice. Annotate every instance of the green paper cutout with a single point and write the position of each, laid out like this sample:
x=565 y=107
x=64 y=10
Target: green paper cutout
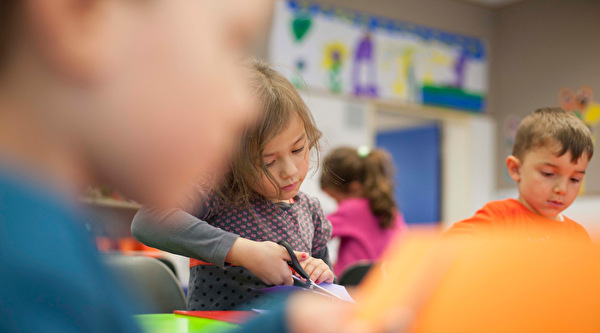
x=300 y=26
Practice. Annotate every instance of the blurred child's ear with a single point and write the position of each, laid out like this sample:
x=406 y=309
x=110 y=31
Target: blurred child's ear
x=355 y=188
x=333 y=194
x=513 y=165
x=70 y=36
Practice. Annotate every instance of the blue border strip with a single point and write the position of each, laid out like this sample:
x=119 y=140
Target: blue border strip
x=474 y=47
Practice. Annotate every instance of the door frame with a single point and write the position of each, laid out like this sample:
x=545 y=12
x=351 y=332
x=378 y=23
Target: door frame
x=467 y=156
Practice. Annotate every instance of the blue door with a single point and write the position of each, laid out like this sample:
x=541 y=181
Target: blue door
x=416 y=155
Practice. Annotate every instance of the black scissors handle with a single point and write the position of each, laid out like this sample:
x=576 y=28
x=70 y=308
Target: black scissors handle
x=294 y=263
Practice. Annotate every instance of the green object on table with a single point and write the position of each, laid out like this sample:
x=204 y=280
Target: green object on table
x=172 y=323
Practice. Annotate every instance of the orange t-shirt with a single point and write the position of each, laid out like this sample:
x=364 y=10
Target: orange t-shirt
x=510 y=215
x=506 y=269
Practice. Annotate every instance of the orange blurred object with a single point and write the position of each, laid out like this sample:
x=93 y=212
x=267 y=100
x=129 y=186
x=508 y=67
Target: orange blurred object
x=150 y=251
x=500 y=283
x=129 y=244
x=105 y=244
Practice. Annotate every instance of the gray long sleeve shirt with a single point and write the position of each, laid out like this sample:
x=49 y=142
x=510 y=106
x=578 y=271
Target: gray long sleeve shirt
x=207 y=231
x=182 y=233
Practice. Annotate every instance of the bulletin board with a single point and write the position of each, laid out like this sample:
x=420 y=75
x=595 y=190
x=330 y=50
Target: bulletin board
x=354 y=53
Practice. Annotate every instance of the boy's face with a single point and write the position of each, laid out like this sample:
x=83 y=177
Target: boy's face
x=287 y=158
x=547 y=183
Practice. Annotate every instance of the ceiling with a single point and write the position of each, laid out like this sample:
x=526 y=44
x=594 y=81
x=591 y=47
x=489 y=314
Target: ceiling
x=493 y=3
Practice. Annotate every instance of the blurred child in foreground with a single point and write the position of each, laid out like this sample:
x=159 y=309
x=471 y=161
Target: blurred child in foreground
x=123 y=93
x=500 y=282
x=550 y=155
x=367 y=218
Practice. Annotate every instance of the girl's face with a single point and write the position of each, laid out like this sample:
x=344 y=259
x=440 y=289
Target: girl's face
x=287 y=158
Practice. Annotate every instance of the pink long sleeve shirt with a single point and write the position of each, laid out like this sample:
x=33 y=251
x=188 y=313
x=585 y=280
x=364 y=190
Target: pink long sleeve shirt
x=361 y=238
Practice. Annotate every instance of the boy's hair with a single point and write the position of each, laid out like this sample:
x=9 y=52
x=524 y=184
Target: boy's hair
x=548 y=125
x=279 y=101
x=373 y=170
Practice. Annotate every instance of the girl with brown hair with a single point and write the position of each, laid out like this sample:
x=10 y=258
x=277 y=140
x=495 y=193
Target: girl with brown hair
x=361 y=182
x=231 y=232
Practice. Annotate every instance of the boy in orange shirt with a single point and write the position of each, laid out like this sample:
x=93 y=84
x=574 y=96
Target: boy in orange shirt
x=550 y=155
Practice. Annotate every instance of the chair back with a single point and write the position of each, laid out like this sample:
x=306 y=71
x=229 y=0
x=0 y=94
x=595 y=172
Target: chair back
x=352 y=275
x=150 y=283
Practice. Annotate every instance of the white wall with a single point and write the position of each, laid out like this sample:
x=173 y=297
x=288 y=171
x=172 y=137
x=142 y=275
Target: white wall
x=483 y=162
x=468 y=166
x=586 y=210
x=343 y=121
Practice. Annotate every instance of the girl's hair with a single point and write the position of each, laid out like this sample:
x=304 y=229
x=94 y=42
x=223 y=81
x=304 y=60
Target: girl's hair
x=373 y=170
x=279 y=102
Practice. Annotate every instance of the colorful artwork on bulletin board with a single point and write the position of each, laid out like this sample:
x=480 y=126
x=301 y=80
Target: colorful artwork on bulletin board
x=582 y=103
x=348 y=52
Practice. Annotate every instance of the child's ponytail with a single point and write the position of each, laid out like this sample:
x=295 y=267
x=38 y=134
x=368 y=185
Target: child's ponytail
x=372 y=169
x=378 y=186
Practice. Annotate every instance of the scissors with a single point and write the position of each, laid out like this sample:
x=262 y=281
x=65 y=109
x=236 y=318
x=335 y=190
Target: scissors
x=305 y=280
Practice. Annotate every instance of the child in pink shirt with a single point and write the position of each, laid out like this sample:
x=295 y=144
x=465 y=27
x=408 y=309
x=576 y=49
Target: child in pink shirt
x=367 y=218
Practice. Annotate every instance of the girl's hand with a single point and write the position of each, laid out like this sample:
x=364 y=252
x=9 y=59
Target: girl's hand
x=266 y=260
x=317 y=269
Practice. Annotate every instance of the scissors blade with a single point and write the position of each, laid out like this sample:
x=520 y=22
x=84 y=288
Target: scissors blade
x=311 y=285
x=305 y=278
x=302 y=281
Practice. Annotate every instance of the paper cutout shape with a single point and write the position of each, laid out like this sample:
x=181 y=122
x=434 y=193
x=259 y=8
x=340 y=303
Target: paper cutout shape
x=336 y=289
x=300 y=26
x=581 y=102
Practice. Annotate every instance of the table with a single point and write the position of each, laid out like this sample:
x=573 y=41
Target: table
x=168 y=322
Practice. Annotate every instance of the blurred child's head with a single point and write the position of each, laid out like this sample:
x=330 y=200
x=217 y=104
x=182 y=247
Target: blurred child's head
x=550 y=155
x=142 y=96
x=361 y=173
x=273 y=158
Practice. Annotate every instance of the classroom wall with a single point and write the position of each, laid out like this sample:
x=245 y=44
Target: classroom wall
x=468 y=172
x=540 y=46
x=462 y=150
x=534 y=48
x=343 y=122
